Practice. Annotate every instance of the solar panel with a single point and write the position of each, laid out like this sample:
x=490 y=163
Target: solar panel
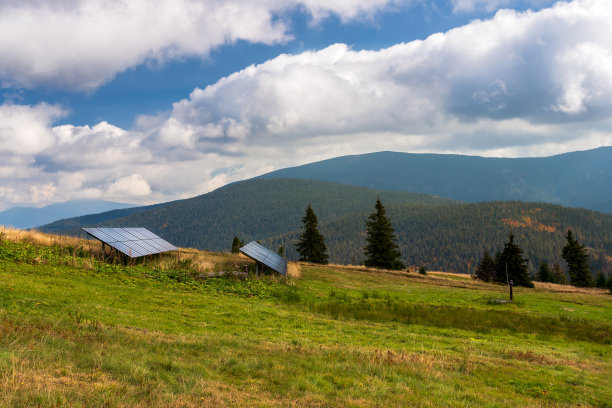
x=133 y=242
x=263 y=255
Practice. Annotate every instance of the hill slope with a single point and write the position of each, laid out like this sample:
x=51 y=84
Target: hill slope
x=29 y=217
x=453 y=238
x=252 y=210
x=577 y=179
x=437 y=233
x=79 y=332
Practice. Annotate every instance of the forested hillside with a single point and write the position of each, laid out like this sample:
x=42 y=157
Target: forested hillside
x=577 y=179
x=453 y=238
x=434 y=232
x=252 y=210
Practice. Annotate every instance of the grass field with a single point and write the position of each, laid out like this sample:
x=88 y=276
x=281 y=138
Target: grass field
x=75 y=331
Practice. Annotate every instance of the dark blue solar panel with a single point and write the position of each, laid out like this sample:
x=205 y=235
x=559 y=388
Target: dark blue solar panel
x=134 y=242
x=262 y=254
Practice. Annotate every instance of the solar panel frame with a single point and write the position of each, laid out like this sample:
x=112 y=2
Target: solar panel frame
x=133 y=242
x=265 y=256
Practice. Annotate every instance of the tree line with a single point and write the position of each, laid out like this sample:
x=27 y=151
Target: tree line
x=507 y=265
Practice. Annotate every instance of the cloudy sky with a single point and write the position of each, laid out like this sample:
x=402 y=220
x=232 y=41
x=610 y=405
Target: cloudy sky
x=145 y=101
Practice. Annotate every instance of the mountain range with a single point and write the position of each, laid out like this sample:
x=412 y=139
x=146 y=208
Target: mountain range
x=435 y=232
x=29 y=217
x=577 y=179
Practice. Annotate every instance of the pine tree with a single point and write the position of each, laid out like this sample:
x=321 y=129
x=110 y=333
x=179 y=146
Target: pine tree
x=236 y=245
x=558 y=276
x=601 y=280
x=511 y=261
x=544 y=273
x=576 y=257
x=311 y=246
x=381 y=251
x=486 y=268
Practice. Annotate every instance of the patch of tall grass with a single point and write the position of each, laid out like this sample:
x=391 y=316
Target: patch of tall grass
x=372 y=306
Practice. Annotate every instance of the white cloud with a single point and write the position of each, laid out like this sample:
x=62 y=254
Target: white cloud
x=471 y=6
x=131 y=186
x=25 y=129
x=80 y=44
x=519 y=84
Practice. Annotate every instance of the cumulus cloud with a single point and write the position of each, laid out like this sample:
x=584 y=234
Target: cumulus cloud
x=131 y=186
x=26 y=129
x=80 y=44
x=471 y=6
x=518 y=84
x=542 y=67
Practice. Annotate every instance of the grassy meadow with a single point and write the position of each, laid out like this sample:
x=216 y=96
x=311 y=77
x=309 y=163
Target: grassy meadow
x=175 y=331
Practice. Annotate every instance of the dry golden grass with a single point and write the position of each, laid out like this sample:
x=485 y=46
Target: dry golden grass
x=41 y=238
x=554 y=287
x=293 y=270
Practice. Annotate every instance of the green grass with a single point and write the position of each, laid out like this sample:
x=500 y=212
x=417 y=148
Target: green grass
x=77 y=332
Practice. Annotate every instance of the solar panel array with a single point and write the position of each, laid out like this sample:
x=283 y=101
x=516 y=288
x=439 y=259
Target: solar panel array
x=134 y=242
x=262 y=254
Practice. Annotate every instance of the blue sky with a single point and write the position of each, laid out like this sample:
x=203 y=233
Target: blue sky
x=152 y=87
x=144 y=102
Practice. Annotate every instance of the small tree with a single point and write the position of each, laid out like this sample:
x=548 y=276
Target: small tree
x=486 y=268
x=601 y=281
x=610 y=282
x=576 y=257
x=422 y=270
x=281 y=251
x=544 y=273
x=311 y=246
x=510 y=265
x=381 y=251
x=236 y=245
x=557 y=274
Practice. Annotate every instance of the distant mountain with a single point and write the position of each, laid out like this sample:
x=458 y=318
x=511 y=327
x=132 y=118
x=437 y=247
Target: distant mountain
x=74 y=224
x=251 y=210
x=578 y=179
x=29 y=217
x=435 y=232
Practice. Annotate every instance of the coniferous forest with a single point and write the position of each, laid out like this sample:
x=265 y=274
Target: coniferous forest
x=433 y=232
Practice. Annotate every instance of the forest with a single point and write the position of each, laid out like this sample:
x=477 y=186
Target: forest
x=434 y=232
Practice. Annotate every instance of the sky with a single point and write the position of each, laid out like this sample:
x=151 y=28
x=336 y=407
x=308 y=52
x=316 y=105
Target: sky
x=147 y=101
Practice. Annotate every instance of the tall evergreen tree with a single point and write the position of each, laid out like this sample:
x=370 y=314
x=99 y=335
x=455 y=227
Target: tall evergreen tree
x=544 y=273
x=311 y=246
x=236 y=245
x=576 y=257
x=558 y=276
x=381 y=251
x=601 y=281
x=486 y=267
x=511 y=259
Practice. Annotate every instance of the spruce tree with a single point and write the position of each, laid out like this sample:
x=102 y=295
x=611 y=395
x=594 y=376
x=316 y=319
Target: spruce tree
x=601 y=281
x=544 y=273
x=576 y=257
x=236 y=245
x=511 y=259
x=381 y=251
x=486 y=268
x=558 y=276
x=311 y=246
